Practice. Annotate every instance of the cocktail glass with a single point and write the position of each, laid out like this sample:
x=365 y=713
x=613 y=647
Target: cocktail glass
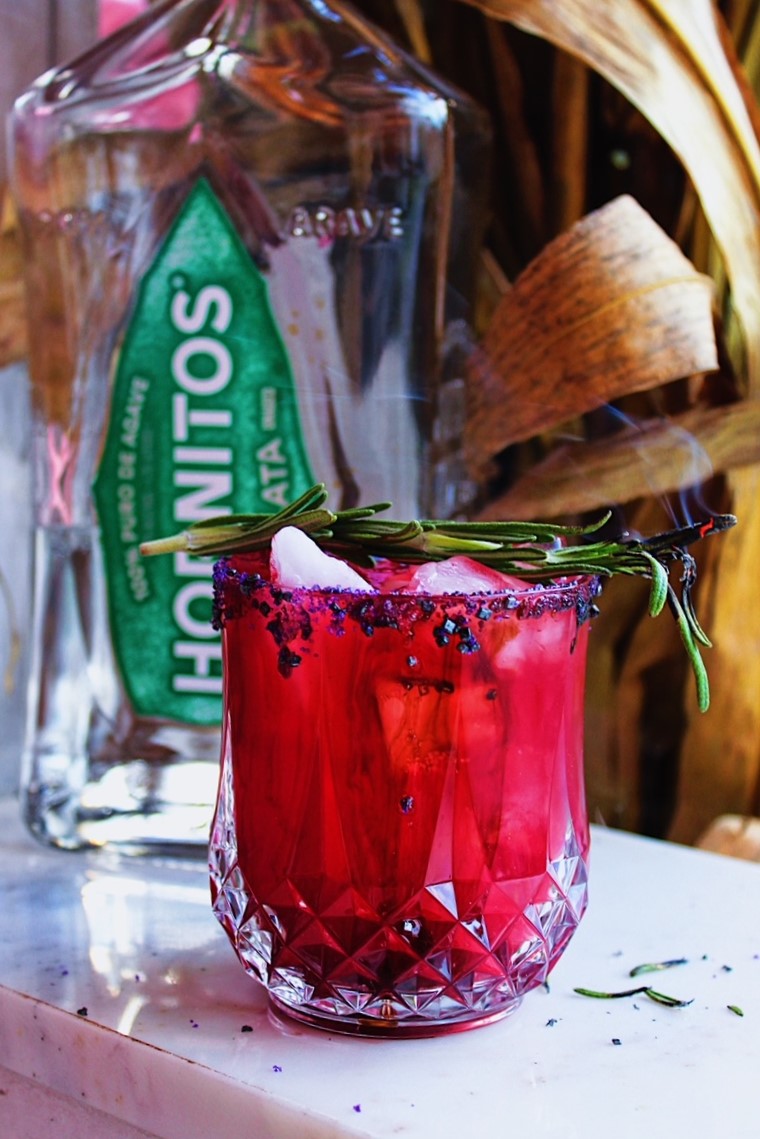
x=400 y=841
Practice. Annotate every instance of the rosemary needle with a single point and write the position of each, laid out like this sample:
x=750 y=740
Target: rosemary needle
x=657 y=966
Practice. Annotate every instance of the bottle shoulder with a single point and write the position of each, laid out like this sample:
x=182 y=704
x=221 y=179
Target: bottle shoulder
x=300 y=58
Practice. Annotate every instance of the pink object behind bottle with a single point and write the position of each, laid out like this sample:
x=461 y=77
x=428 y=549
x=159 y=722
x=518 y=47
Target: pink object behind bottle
x=113 y=14
x=167 y=113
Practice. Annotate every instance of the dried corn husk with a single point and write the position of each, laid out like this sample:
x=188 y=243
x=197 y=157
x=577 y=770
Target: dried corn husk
x=608 y=308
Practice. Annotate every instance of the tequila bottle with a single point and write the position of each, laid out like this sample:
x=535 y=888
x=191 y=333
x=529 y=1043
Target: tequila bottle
x=250 y=230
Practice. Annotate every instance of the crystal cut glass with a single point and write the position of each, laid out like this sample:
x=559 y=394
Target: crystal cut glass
x=400 y=842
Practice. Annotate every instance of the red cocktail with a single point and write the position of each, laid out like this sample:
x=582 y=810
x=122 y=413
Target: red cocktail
x=400 y=840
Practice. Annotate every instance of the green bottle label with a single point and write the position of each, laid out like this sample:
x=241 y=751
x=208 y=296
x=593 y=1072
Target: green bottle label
x=204 y=421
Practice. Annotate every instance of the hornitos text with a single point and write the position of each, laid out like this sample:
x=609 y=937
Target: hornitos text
x=203 y=369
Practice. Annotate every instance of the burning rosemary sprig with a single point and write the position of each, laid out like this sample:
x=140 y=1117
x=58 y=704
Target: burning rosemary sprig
x=535 y=551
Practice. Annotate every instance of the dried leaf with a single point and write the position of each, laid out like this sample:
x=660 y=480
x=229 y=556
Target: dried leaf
x=612 y=785
x=509 y=97
x=735 y=835
x=610 y=307
x=12 y=323
x=13 y=335
x=740 y=14
x=624 y=652
x=720 y=759
x=654 y=457
x=413 y=20
x=670 y=59
x=569 y=141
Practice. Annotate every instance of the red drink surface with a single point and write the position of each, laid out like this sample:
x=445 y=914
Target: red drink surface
x=401 y=833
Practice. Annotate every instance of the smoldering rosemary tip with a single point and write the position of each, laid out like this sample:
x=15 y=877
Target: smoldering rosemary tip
x=534 y=551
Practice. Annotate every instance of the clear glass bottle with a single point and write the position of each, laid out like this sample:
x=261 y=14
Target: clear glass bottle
x=251 y=230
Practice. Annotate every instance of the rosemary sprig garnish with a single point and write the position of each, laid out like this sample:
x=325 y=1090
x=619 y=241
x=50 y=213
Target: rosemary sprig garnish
x=534 y=551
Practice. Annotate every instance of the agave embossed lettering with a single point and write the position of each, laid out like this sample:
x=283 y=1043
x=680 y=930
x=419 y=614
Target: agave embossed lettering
x=360 y=223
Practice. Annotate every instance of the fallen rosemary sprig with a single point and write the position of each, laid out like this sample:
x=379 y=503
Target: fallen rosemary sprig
x=644 y=990
x=534 y=551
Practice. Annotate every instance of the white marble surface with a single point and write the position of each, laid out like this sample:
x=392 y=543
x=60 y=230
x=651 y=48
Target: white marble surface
x=161 y=1052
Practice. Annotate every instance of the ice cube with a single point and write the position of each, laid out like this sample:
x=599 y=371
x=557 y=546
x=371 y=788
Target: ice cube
x=461 y=575
x=545 y=638
x=297 y=562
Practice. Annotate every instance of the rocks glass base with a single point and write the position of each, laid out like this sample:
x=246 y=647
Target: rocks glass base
x=400 y=841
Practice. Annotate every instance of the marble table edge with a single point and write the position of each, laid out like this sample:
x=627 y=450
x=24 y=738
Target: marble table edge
x=128 y=1078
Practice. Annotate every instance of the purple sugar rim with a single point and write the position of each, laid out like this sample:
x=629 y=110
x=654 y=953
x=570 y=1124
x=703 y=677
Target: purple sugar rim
x=238 y=591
